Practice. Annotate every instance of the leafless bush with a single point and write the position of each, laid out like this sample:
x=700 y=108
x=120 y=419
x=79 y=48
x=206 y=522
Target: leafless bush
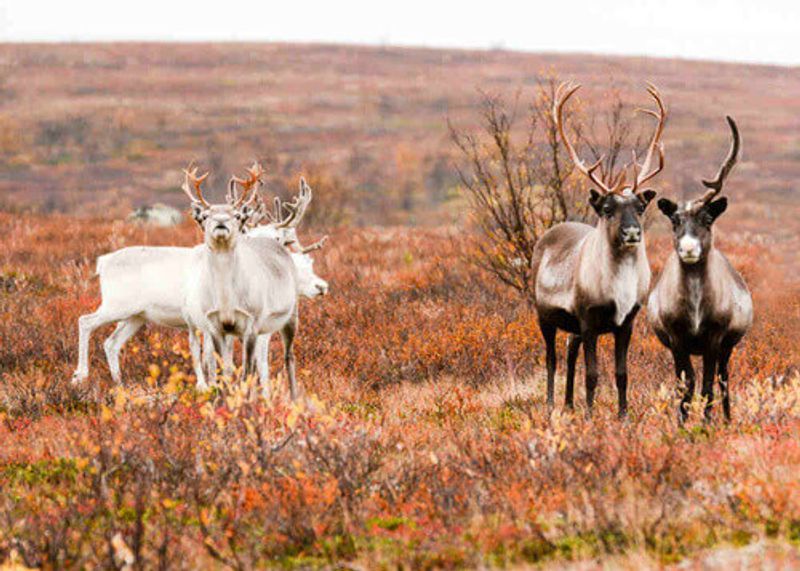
x=519 y=184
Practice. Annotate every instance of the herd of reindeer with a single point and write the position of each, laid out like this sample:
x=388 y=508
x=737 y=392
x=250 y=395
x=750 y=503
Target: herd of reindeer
x=245 y=280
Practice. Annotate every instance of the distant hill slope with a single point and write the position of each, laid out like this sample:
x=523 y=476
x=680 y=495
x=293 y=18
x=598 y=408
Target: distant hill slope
x=102 y=127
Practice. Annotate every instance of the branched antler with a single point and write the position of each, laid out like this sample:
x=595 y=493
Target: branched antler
x=249 y=186
x=297 y=208
x=563 y=93
x=618 y=183
x=192 y=181
x=644 y=173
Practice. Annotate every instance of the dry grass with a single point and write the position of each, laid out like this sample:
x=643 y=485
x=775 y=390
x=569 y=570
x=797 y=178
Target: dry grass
x=422 y=439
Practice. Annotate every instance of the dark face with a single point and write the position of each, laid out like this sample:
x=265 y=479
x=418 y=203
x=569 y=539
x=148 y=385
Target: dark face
x=691 y=228
x=622 y=215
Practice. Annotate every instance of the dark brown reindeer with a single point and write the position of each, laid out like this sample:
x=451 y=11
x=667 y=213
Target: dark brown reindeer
x=588 y=280
x=700 y=304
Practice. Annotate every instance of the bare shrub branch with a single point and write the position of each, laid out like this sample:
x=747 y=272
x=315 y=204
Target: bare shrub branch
x=519 y=184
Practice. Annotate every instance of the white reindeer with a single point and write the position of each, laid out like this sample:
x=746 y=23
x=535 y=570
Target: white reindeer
x=283 y=229
x=239 y=286
x=145 y=283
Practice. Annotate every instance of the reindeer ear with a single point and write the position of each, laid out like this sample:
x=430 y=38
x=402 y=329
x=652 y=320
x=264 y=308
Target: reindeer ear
x=596 y=200
x=243 y=215
x=667 y=207
x=716 y=208
x=198 y=212
x=647 y=196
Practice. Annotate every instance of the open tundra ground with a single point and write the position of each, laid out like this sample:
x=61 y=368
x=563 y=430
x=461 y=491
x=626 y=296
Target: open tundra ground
x=103 y=127
x=421 y=439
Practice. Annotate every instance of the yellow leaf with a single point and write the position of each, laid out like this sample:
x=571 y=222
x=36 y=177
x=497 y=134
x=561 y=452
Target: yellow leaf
x=120 y=399
x=106 y=414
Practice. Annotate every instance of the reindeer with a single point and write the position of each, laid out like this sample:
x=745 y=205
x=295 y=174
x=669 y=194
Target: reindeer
x=145 y=283
x=283 y=229
x=588 y=280
x=239 y=286
x=700 y=304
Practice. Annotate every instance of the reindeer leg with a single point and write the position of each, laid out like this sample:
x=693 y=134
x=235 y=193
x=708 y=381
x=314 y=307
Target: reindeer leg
x=685 y=373
x=86 y=326
x=113 y=345
x=549 y=334
x=197 y=362
x=249 y=355
x=228 y=366
x=288 y=334
x=590 y=357
x=210 y=357
x=262 y=363
x=222 y=346
x=573 y=349
x=709 y=372
x=622 y=341
x=724 y=357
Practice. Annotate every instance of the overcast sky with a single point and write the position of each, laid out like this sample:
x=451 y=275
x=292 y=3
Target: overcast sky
x=763 y=31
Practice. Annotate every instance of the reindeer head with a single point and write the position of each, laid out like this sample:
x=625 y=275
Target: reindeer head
x=221 y=223
x=281 y=225
x=692 y=221
x=309 y=284
x=619 y=205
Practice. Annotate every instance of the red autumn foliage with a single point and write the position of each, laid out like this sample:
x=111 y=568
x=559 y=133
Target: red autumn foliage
x=422 y=438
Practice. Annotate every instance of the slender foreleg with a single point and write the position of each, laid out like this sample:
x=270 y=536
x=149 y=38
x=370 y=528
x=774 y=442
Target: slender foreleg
x=622 y=341
x=686 y=379
x=549 y=334
x=724 y=358
x=709 y=372
x=262 y=363
x=590 y=357
x=197 y=362
x=573 y=349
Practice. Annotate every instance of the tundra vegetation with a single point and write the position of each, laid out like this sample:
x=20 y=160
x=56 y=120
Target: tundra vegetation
x=422 y=437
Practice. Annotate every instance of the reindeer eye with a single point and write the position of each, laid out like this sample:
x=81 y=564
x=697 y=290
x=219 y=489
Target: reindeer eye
x=608 y=208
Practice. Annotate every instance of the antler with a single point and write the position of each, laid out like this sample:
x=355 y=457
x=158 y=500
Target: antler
x=297 y=208
x=315 y=246
x=249 y=186
x=643 y=173
x=715 y=186
x=192 y=180
x=260 y=211
x=563 y=93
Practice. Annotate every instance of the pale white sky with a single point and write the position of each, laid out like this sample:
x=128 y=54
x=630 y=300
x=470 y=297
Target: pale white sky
x=762 y=31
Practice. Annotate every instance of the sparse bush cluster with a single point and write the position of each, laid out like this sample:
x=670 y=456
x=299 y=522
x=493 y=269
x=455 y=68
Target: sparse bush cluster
x=422 y=440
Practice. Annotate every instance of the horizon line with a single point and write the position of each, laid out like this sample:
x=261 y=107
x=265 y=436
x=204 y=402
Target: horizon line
x=499 y=47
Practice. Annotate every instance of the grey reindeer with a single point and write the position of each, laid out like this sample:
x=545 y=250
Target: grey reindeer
x=700 y=304
x=592 y=280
